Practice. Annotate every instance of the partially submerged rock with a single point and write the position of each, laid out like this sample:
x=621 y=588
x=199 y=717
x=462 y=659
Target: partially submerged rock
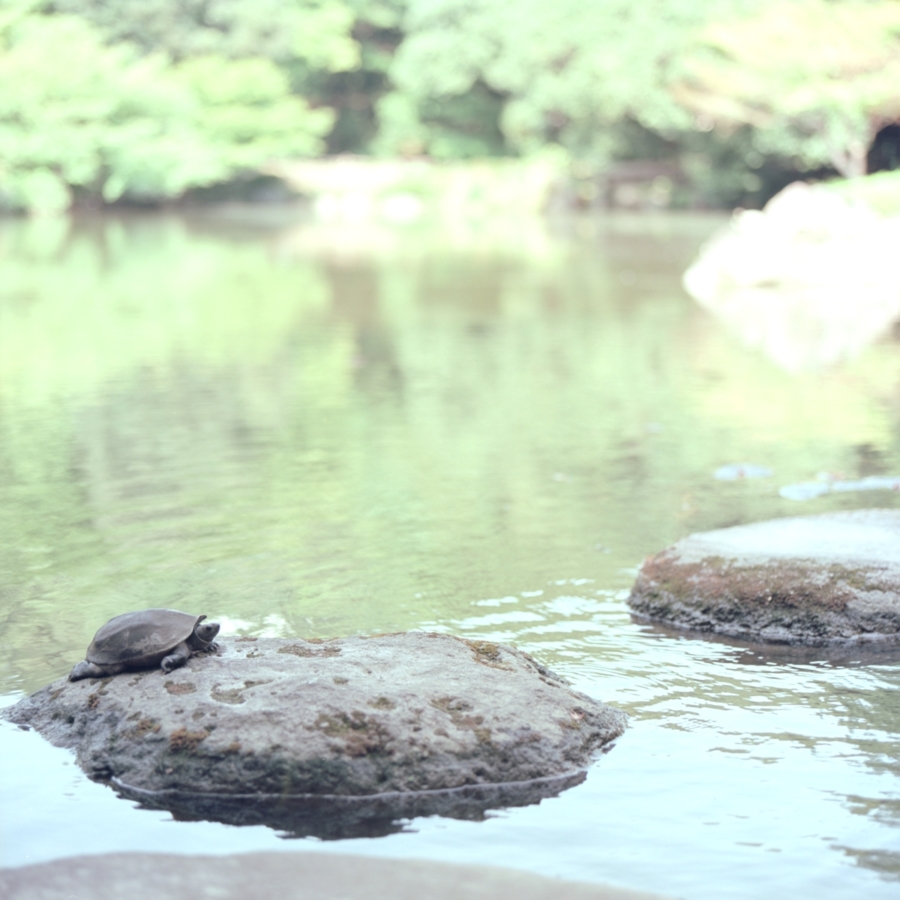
x=322 y=721
x=816 y=580
x=312 y=876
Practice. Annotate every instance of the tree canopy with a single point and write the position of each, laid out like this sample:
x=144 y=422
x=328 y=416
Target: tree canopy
x=317 y=31
x=79 y=115
x=813 y=77
x=145 y=99
x=566 y=70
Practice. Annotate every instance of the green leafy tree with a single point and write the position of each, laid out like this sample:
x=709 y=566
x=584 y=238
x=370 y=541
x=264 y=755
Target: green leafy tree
x=568 y=72
x=353 y=92
x=317 y=31
x=148 y=98
x=336 y=52
x=816 y=79
x=245 y=108
x=79 y=117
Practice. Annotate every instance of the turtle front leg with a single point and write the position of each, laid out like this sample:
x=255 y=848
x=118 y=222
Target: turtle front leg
x=86 y=669
x=178 y=657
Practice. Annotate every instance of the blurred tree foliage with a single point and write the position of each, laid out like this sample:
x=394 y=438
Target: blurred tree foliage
x=593 y=78
x=83 y=117
x=147 y=98
x=816 y=79
x=336 y=52
x=353 y=91
x=316 y=31
x=567 y=71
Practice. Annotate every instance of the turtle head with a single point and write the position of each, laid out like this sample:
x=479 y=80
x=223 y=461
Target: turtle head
x=205 y=632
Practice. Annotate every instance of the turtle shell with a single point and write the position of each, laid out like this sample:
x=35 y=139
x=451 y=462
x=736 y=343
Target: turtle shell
x=141 y=638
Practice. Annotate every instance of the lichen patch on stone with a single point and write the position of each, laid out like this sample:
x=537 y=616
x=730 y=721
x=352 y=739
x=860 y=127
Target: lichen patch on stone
x=308 y=652
x=360 y=734
x=183 y=741
x=487 y=653
x=230 y=695
x=145 y=726
x=382 y=703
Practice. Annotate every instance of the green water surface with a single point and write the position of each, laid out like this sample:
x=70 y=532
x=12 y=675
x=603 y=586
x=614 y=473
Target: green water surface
x=482 y=429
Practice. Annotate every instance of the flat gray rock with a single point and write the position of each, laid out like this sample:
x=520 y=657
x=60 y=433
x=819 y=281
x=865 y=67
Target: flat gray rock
x=816 y=580
x=260 y=876
x=325 y=723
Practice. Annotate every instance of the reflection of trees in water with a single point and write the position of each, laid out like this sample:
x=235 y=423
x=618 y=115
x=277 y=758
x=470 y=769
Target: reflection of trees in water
x=195 y=416
x=872 y=718
x=836 y=701
x=885 y=862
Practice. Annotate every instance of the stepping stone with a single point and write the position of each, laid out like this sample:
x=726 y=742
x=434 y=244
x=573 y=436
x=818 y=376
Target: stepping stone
x=825 y=579
x=311 y=876
x=331 y=737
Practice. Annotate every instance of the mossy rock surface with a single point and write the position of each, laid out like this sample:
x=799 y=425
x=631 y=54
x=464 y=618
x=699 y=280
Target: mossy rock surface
x=816 y=580
x=351 y=717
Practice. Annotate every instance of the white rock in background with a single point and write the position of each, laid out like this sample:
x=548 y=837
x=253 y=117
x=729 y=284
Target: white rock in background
x=810 y=280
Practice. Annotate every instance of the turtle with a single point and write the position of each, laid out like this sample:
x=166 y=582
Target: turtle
x=144 y=639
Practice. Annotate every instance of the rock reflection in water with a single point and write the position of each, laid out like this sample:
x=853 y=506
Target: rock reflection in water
x=809 y=490
x=333 y=817
x=753 y=653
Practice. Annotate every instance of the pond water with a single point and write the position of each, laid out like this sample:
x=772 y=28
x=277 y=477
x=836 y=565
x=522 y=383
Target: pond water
x=480 y=429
